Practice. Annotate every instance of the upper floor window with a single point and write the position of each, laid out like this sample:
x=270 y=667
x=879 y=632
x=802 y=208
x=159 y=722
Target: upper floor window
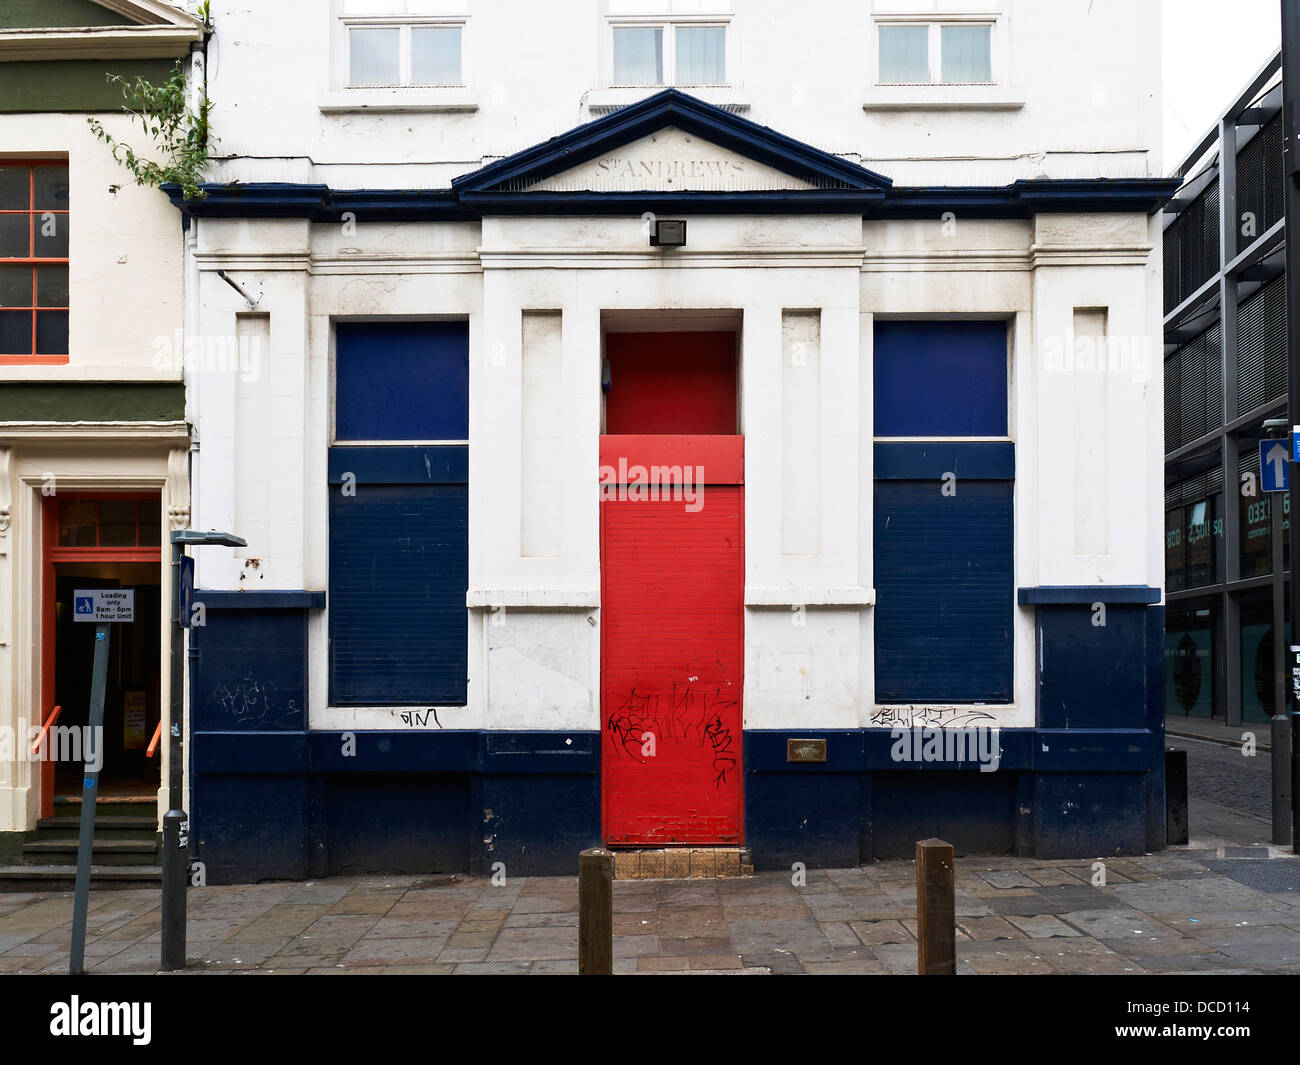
x=669 y=52
x=33 y=262
x=960 y=54
x=393 y=43
x=936 y=42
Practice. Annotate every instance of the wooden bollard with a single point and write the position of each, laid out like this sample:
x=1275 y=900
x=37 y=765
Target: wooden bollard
x=596 y=912
x=936 y=909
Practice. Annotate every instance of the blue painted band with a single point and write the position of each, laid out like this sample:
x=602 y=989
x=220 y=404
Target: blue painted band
x=289 y=599
x=871 y=750
x=981 y=460
x=1087 y=594
x=319 y=203
x=399 y=464
x=417 y=750
x=1021 y=750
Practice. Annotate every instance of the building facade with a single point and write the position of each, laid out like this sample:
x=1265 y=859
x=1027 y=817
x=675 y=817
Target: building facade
x=674 y=425
x=1225 y=378
x=94 y=449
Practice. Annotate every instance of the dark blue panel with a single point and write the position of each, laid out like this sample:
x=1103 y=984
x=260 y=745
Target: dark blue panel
x=375 y=824
x=943 y=592
x=984 y=460
x=940 y=378
x=250 y=828
x=975 y=812
x=538 y=825
x=250 y=752
x=296 y=599
x=1060 y=594
x=422 y=749
x=249 y=671
x=402 y=381
x=1083 y=815
x=399 y=571
x=1092 y=676
x=767 y=751
x=447 y=464
x=812 y=819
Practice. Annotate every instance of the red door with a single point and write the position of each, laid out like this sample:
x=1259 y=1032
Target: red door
x=672 y=649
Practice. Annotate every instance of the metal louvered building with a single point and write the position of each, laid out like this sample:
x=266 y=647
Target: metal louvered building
x=1226 y=562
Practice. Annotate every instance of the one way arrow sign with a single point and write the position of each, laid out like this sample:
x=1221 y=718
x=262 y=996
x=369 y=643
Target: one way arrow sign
x=1274 y=466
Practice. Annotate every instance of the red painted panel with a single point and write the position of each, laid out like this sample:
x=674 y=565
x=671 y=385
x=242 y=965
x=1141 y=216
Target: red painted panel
x=720 y=458
x=671 y=383
x=672 y=667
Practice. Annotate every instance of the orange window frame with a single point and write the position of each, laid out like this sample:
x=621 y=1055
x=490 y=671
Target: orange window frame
x=32 y=165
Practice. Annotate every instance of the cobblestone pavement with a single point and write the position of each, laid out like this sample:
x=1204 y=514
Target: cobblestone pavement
x=1223 y=775
x=1197 y=909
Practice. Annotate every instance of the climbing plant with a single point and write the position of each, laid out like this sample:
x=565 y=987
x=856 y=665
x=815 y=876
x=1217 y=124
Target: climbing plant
x=179 y=133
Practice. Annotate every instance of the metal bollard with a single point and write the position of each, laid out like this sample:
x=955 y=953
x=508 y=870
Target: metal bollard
x=1281 y=779
x=1175 y=796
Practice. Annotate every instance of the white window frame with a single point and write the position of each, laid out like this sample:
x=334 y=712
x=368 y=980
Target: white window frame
x=935 y=21
x=403 y=23
x=669 y=24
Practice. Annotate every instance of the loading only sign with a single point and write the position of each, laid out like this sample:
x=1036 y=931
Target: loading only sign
x=103 y=604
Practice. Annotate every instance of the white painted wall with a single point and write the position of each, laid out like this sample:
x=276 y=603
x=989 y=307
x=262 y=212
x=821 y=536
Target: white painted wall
x=1077 y=94
x=534 y=573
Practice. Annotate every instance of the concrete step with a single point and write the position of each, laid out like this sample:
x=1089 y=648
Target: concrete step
x=64 y=877
x=140 y=829
x=681 y=863
x=103 y=852
x=108 y=806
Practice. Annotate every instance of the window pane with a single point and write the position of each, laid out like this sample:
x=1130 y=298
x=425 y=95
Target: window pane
x=904 y=53
x=15 y=286
x=51 y=286
x=150 y=522
x=77 y=522
x=965 y=53
x=639 y=55
x=701 y=55
x=435 y=55
x=374 y=58
x=51 y=332
x=51 y=236
x=51 y=188
x=15 y=332
x=15 y=188
x=117 y=523
x=15 y=236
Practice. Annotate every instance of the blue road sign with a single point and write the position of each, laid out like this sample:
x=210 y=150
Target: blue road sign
x=1295 y=443
x=187 y=589
x=1274 y=466
x=85 y=605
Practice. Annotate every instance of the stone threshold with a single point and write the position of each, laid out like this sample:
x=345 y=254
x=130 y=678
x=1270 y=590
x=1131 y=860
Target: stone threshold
x=682 y=863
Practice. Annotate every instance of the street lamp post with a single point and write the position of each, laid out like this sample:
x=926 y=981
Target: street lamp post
x=176 y=824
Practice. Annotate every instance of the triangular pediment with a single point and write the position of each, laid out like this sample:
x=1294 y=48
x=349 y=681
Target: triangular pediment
x=671 y=144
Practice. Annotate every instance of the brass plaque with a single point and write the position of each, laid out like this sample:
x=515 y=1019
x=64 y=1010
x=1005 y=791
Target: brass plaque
x=805 y=750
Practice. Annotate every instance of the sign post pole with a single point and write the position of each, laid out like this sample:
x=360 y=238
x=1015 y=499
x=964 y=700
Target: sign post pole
x=93 y=750
x=176 y=823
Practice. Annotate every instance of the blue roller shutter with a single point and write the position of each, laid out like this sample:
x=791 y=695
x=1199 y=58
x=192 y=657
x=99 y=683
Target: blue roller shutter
x=943 y=513
x=399 y=517
x=944 y=592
